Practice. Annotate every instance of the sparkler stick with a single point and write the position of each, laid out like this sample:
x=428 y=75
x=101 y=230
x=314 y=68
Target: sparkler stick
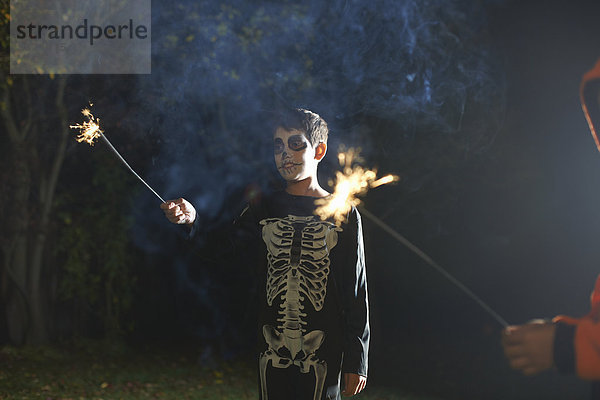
x=353 y=181
x=128 y=166
x=393 y=233
x=90 y=130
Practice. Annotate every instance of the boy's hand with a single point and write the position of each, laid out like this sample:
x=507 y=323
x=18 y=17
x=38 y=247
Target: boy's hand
x=353 y=384
x=179 y=211
x=530 y=347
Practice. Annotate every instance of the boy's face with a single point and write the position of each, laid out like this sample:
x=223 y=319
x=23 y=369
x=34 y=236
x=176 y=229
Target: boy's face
x=296 y=159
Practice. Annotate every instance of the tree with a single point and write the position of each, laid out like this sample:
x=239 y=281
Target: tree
x=95 y=279
x=34 y=151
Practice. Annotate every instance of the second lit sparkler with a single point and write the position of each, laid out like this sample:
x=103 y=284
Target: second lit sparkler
x=354 y=181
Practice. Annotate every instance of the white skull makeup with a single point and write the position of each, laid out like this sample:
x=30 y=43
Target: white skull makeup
x=295 y=143
x=294 y=155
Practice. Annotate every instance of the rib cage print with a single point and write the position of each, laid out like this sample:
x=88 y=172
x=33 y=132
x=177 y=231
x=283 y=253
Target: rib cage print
x=300 y=246
x=298 y=268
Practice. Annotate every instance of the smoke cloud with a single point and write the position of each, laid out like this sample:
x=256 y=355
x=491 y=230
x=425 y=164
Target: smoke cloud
x=392 y=76
x=218 y=70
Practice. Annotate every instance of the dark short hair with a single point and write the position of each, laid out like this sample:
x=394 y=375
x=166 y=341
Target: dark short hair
x=310 y=123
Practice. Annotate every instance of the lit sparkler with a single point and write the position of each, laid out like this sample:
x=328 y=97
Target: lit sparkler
x=90 y=130
x=353 y=181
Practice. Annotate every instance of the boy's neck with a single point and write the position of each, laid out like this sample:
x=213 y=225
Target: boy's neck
x=306 y=187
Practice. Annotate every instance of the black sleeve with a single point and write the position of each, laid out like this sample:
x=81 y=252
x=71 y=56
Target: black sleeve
x=355 y=299
x=228 y=241
x=564 y=348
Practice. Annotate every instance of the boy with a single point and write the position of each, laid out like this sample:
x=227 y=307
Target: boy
x=313 y=319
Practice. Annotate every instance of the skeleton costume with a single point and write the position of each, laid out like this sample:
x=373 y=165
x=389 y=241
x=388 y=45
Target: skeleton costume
x=313 y=312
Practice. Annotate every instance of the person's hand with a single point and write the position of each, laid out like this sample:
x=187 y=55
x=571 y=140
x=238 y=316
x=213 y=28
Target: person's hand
x=530 y=347
x=353 y=384
x=179 y=211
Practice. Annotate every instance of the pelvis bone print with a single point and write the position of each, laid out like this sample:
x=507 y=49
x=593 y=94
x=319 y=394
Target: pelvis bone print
x=298 y=267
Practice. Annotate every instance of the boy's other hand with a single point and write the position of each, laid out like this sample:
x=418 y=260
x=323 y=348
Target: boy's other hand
x=179 y=211
x=353 y=384
x=530 y=347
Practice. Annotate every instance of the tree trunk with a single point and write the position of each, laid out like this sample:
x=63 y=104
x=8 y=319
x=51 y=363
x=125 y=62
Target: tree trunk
x=17 y=251
x=25 y=296
x=16 y=247
x=38 y=304
x=17 y=304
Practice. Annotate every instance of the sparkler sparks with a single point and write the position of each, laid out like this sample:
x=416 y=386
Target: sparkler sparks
x=90 y=130
x=353 y=181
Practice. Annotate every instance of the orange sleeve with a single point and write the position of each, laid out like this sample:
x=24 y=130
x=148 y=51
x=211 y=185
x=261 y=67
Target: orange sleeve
x=587 y=338
x=587 y=349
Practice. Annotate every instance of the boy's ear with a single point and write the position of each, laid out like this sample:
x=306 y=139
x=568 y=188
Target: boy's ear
x=320 y=151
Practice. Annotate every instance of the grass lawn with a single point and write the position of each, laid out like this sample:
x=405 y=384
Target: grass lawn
x=94 y=371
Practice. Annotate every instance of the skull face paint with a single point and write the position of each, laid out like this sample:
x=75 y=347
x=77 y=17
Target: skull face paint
x=294 y=155
x=295 y=143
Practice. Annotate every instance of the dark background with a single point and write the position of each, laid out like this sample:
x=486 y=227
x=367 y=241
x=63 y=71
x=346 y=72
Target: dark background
x=474 y=104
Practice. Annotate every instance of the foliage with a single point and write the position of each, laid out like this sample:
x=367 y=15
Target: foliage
x=4 y=29
x=97 y=280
